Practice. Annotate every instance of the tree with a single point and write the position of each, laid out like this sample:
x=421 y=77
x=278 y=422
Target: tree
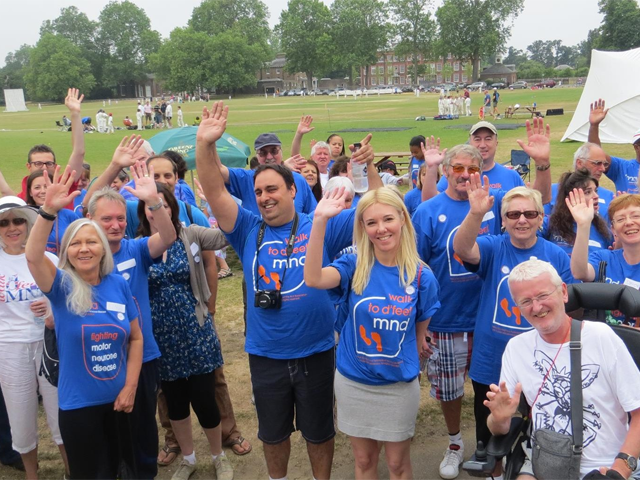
x=15 y=67
x=73 y=25
x=233 y=63
x=306 y=43
x=414 y=32
x=471 y=29
x=531 y=70
x=515 y=57
x=447 y=71
x=542 y=52
x=619 y=29
x=55 y=64
x=125 y=40
x=359 y=31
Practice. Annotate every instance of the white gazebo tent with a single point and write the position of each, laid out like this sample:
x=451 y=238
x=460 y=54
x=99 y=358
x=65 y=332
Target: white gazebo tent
x=615 y=78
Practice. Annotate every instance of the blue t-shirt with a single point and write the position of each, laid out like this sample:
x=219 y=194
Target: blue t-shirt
x=182 y=191
x=199 y=218
x=412 y=199
x=500 y=178
x=378 y=340
x=618 y=271
x=498 y=318
x=624 y=173
x=487 y=100
x=241 y=185
x=133 y=262
x=604 y=199
x=77 y=203
x=436 y=221
x=414 y=168
x=92 y=347
x=596 y=240
x=303 y=325
x=65 y=218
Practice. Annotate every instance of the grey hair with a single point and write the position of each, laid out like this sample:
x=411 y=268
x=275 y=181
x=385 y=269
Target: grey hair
x=337 y=182
x=319 y=145
x=17 y=212
x=106 y=193
x=522 y=192
x=80 y=294
x=531 y=269
x=463 y=150
x=582 y=153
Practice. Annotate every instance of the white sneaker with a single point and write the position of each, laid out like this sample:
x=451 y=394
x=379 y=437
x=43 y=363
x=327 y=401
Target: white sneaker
x=184 y=471
x=224 y=470
x=450 y=465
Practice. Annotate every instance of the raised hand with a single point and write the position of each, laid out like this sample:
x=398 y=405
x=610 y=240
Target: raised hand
x=331 y=204
x=199 y=191
x=581 y=208
x=213 y=123
x=539 y=145
x=127 y=152
x=146 y=189
x=304 y=126
x=480 y=200
x=501 y=403
x=365 y=152
x=597 y=112
x=295 y=163
x=433 y=156
x=58 y=196
x=73 y=100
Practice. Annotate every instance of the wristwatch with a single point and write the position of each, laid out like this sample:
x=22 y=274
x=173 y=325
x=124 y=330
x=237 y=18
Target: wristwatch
x=157 y=206
x=632 y=462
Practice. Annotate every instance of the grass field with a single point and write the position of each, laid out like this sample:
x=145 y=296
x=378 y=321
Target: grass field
x=250 y=116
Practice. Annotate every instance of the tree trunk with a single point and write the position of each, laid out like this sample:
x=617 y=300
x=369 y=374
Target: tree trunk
x=475 y=59
x=309 y=81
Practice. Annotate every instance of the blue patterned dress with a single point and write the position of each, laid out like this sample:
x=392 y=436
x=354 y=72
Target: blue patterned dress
x=187 y=348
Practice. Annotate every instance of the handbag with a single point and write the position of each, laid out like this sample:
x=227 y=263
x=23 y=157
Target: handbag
x=556 y=455
x=50 y=364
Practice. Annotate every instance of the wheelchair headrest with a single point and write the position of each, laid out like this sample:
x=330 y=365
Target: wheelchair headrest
x=604 y=296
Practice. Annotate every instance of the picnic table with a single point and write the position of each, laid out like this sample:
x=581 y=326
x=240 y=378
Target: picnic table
x=401 y=164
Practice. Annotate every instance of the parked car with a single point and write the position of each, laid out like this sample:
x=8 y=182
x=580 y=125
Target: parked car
x=498 y=85
x=520 y=84
x=546 y=84
x=477 y=85
x=407 y=89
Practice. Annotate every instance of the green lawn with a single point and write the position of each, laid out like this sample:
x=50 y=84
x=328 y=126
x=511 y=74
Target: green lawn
x=250 y=116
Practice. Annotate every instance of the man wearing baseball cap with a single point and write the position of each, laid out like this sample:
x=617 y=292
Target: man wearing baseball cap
x=484 y=136
x=622 y=172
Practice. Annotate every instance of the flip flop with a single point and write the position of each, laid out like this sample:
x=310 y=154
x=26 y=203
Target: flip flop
x=170 y=454
x=224 y=273
x=236 y=446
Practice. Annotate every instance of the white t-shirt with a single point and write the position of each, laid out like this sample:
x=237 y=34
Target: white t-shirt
x=17 y=291
x=324 y=178
x=169 y=111
x=610 y=386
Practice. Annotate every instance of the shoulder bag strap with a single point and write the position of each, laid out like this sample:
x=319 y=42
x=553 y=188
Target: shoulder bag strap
x=575 y=348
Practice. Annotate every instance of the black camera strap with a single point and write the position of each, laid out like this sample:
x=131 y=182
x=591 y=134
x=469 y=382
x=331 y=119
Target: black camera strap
x=289 y=250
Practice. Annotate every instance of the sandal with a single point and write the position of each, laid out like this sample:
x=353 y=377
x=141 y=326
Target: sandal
x=236 y=446
x=224 y=273
x=170 y=454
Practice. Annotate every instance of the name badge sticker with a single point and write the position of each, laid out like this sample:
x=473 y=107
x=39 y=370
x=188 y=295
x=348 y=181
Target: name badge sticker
x=126 y=265
x=488 y=216
x=632 y=283
x=195 y=248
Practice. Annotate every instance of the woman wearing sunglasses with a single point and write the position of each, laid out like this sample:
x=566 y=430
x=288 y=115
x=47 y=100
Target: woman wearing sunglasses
x=492 y=257
x=23 y=312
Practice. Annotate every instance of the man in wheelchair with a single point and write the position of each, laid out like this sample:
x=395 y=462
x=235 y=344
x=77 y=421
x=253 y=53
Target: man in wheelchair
x=538 y=364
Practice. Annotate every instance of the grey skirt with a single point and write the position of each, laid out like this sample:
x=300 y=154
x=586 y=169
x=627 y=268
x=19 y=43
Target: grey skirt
x=386 y=413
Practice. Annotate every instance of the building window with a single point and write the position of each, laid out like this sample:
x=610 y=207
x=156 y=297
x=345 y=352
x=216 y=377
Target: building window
x=373 y=81
x=439 y=78
x=449 y=56
x=438 y=68
x=390 y=70
x=408 y=80
x=401 y=80
x=380 y=70
x=389 y=58
x=381 y=59
x=401 y=68
x=456 y=66
x=456 y=77
x=464 y=77
x=373 y=70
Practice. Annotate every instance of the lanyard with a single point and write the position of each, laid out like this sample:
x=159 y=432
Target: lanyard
x=290 y=243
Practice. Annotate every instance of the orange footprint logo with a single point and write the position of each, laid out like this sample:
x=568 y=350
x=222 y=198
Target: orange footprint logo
x=375 y=336
x=504 y=304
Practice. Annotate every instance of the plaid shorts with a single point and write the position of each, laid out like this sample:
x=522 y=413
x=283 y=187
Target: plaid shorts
x=447 y=368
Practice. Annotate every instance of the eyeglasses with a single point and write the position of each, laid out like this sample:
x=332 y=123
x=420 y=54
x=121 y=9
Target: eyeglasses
x=528 y=214
x=471 y=169
x=43 y=164
x=599 y=163
x=17 y=221
x=635 y=217
x=265 y=152
x=528 y=302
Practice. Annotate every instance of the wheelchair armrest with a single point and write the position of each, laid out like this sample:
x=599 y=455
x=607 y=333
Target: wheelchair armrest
x=500 y=445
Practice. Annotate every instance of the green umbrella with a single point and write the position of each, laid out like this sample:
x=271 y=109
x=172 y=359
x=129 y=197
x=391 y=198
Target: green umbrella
x=232 y=152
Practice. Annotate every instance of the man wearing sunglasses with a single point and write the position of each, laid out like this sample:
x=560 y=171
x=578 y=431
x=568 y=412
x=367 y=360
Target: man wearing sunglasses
x=622 y=172
x=436 y=222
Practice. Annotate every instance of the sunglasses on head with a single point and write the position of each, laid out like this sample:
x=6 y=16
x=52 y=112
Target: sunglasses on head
x=528 y=214
x=17 y=221
x=461 y=168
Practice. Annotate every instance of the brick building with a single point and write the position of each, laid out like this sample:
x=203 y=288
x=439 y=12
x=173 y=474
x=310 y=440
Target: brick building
x=273 y=77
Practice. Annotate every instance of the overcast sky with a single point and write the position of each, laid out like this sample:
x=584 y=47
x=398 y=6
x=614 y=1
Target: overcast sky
x=567 y=20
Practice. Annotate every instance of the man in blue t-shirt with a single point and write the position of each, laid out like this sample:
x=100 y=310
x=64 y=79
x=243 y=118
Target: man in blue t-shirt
x=593 y=158
x=622 y=172
x=484 y=136
x=290 y=339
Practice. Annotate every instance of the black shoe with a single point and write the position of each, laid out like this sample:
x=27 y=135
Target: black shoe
x=18 y=465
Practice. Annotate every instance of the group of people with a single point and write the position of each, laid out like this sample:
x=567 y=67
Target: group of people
x=158 y=116
x=347 y=294
x=455 y=105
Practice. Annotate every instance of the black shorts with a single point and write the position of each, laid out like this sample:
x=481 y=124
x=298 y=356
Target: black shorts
x=301 y=388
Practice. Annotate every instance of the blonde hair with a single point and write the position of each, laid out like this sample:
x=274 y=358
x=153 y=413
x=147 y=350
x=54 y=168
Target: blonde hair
x=407 y=257
x=521 y=192
x=17 y=213
x=531 y=269
x=80 y=293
